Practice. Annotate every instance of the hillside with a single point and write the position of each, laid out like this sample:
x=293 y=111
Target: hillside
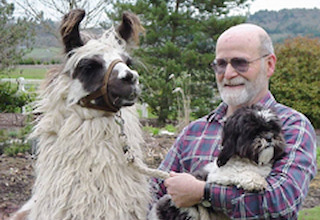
x=279 y=24
x=288 y=22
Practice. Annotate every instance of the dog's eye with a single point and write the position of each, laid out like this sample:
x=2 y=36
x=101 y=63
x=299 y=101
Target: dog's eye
x=269 y=137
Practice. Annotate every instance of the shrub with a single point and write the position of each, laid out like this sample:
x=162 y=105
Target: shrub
x=296 y=81
x=15 y=141
x=12 y=100
x=14 y=149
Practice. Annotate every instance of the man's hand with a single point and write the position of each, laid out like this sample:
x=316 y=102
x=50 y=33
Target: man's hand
x=184 y=189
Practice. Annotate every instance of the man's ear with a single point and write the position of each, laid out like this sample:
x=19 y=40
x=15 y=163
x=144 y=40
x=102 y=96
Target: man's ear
x=271 y=64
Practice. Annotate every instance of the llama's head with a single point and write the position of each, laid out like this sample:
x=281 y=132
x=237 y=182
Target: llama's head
x=98 y=67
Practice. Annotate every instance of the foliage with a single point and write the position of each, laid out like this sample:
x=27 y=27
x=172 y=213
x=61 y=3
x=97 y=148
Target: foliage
x=152 y=130
x=296 y=81
x=288 y=23
x=170 y=128
x=180 y=42
x=13 y=142
x=156 y=130
x=14 y=149
x=12 y=100
x=15 y=37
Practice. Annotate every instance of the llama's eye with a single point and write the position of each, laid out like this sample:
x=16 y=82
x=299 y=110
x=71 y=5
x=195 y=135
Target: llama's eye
x=129 y=62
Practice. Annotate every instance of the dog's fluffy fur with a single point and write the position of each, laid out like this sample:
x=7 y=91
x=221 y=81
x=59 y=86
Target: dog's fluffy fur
x=252 y=141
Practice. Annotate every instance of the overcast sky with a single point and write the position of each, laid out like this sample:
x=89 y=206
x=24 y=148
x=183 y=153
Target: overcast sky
x=257 y=5
x=276 y=5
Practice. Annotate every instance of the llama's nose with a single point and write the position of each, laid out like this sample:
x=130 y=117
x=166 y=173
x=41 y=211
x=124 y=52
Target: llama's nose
x=131 y=77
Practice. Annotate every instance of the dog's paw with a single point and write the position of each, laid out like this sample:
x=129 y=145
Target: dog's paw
x=252 y=182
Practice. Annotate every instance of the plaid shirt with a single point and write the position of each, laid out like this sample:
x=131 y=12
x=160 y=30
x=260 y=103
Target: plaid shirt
x=200 y=143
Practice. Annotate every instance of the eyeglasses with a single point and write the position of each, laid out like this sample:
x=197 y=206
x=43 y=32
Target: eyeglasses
x=241 y=65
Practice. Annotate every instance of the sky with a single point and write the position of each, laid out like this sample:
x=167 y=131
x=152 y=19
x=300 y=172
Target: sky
x=256 y=5
x=276 y=5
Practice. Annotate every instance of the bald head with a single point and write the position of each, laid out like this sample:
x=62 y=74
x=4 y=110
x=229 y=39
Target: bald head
x=249 y=37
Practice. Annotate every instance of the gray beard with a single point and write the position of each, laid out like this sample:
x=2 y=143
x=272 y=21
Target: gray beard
x=246 y=94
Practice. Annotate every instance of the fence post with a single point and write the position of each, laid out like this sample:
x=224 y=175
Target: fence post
x=144 y=110
x=21 y=82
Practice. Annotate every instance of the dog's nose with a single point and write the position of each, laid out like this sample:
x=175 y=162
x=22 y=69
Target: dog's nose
x=269 y=137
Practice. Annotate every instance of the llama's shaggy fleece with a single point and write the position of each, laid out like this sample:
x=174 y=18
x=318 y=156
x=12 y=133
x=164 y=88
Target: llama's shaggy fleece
x=81 y=170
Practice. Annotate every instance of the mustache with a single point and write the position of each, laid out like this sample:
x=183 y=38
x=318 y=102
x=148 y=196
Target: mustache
x=234 y=81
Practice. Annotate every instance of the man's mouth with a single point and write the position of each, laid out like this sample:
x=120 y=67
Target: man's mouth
x=234 y=85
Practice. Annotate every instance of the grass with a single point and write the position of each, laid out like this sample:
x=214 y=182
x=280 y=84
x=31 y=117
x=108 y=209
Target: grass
x=28 y=73
x=310 y=214
x=313 y=213
x=44 y=53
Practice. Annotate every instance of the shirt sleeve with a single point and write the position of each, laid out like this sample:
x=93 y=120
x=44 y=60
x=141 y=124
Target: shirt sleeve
x=288 y=182
x=170 y=163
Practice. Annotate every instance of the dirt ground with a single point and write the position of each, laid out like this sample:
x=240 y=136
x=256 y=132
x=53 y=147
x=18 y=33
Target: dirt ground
x=16 y=175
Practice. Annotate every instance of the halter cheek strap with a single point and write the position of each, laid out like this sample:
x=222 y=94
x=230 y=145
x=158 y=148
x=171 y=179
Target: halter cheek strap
x=102 y=91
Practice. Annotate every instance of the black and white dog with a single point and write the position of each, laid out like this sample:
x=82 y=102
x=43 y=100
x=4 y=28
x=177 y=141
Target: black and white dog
x=252 y=141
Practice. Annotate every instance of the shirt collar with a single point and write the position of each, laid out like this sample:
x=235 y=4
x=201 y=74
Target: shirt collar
x=219 y=113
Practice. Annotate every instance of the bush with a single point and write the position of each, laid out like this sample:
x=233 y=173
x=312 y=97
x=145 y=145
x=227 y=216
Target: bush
x=296 y=81
x=12 y=100
x=15 y=141
x=14 y=149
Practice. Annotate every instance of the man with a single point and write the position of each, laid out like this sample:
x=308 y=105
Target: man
x=245 y=61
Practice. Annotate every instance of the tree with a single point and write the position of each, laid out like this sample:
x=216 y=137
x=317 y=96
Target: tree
x=296 y=81
x=15 y=37
x=43 y=11
x=177 y=49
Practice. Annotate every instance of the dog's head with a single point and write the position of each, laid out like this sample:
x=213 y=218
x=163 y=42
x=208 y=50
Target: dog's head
x=254 y=133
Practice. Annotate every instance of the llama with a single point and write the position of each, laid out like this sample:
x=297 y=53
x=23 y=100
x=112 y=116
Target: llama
x=82 y=171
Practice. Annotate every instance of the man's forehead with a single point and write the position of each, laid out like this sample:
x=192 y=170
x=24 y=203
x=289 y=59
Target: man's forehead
x=241 y=41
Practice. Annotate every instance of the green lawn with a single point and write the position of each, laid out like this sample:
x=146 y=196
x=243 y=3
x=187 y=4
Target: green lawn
x=313 y=213
x=44 y=53
x=28 y=73
x=310 y=214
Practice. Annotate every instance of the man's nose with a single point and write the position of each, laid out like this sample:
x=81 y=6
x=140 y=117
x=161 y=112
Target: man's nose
x=230 y=72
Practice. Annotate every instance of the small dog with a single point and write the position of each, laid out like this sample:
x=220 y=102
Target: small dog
x=252 y=141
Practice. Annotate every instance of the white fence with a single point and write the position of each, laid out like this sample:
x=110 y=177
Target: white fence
x=22 y=82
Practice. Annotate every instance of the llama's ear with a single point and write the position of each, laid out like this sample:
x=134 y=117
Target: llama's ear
x=130 y=27
x=69 y=30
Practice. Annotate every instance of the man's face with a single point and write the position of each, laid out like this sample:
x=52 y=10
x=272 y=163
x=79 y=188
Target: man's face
x=237 y=88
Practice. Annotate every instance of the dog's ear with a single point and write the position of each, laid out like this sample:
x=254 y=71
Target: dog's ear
x=69 y=30
x=224 y=157
x=229 y=141
x=279 y=148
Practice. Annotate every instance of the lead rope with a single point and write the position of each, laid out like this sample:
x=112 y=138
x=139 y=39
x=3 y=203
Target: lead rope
x=136 y=162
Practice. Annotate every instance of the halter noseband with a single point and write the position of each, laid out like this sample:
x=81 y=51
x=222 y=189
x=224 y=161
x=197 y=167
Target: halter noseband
x=102 y=91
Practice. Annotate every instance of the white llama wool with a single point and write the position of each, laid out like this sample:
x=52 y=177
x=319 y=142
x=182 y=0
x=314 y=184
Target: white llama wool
x=81 y=170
